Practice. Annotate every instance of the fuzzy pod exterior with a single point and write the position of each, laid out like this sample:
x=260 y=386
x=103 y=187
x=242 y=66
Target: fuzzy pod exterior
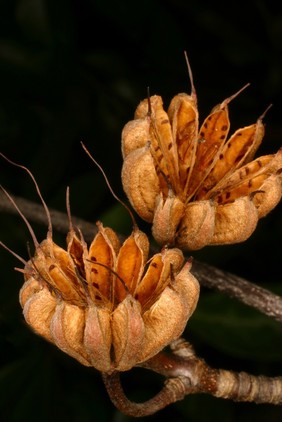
x=106 y=304
x=198 y=186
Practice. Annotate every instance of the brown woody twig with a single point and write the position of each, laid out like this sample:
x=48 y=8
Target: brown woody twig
x=187 y=374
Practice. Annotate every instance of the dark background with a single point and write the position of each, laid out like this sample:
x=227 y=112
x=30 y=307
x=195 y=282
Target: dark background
x=76 y=70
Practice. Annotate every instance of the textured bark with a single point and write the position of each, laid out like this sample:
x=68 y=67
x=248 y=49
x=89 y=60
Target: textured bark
x=187 y=374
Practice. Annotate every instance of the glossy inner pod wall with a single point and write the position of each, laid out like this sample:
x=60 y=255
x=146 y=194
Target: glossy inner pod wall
x=107 y=305
x=197 y=186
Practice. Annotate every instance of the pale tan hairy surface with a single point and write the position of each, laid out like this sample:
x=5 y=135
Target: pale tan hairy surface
x=106 y=305
x=198 y=186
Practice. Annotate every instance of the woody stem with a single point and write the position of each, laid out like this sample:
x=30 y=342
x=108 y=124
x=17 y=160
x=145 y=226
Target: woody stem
x=188 y=374
x=174 y=389
x=35 y=212
x=251 y=294
x=237 y=386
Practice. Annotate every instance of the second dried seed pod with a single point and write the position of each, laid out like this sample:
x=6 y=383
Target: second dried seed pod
x=197 y=186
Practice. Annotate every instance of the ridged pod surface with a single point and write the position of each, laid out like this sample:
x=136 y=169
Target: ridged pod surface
x=107 y=305
x=197 y=186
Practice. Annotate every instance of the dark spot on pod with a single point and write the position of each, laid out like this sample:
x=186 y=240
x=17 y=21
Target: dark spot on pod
x=239 y=134
x=93 y=258
x=202 y=134
x=52 y=266
x=222 y=137
x=156 y=148
x=94 y=270
x=227 y=195
x=161 y=157
x=97 y=297
x=219 y=199
x=253 y=194
x=250 y=183
x=221 y=156
x=136 y=296
x=170 y=145
x=247 y=170
x=229 y=145
x=238 y=158
x=205 y=189
x=164 y=122
x=210 y=117
x=95 y=285
x=259 y=163
x=154 y=264
x=224 y=128
x=182 y=234
x=205 y=125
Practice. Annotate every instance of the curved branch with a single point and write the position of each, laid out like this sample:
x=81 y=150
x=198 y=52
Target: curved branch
x=188 y=374
x=174 y=389
x=209 y=276
x=237 y=386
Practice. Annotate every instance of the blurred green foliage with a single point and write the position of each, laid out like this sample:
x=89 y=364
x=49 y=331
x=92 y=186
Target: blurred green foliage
x=74 y=71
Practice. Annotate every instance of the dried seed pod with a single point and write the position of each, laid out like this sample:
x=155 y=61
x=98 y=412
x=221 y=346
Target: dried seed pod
x=197 y=186
x=106 y=305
